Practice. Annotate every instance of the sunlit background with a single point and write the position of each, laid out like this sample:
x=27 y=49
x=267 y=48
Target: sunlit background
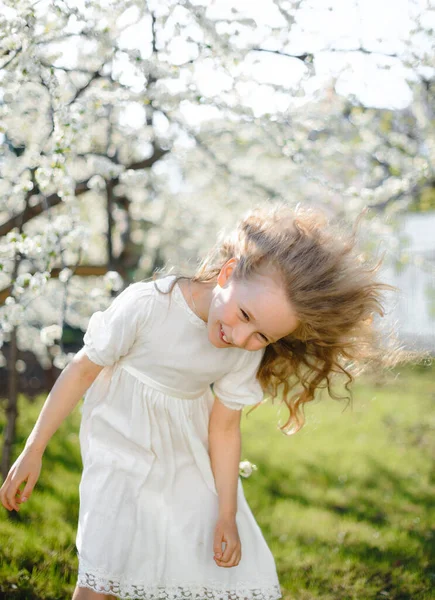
x=325 y=103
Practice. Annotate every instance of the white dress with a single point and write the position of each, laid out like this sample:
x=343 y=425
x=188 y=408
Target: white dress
x=148 y=501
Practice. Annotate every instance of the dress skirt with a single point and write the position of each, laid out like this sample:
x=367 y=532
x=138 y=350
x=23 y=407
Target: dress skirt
x=148 y=501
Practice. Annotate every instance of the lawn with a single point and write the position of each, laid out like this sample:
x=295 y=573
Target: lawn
x=346 y=505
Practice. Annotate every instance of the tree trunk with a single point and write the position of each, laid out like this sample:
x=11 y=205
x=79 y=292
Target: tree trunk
x=11 y=407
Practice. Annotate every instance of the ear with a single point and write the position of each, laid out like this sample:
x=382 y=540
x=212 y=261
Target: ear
x=226 y=271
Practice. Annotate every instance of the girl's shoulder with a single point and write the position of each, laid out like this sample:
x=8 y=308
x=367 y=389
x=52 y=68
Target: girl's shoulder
x=156 y=292
x=152 y=287
x=137 y=297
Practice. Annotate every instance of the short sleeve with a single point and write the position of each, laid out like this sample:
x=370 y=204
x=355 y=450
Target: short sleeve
x=111 y=333
x=240 y=387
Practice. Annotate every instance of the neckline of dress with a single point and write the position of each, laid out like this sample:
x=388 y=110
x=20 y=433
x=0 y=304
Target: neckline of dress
x=181 y=301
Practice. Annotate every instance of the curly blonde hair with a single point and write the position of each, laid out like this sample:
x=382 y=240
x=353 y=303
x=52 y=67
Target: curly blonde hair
x=332 y=288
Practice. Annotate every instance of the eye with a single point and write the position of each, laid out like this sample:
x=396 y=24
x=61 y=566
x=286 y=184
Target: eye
x=263 y=337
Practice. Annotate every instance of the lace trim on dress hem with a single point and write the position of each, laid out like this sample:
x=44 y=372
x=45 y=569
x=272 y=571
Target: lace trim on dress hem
x=193 y=591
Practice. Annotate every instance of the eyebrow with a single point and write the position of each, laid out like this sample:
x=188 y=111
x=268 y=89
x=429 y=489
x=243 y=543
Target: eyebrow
x=250 y=315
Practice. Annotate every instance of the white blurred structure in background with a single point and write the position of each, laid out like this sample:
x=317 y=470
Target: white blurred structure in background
x=413 y=308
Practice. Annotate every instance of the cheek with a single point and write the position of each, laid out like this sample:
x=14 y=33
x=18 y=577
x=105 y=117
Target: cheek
x=220 y=310
x=227 y=316
x=224 y=309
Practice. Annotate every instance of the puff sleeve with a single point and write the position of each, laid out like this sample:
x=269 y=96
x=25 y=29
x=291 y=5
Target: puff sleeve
x=239 y=387
x=111 y=333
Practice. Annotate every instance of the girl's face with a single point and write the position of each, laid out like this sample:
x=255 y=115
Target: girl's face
x=248 y=314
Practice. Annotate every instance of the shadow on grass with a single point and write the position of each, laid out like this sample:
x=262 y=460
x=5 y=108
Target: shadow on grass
x=359 y=503
x=395 y=574
x=360 y=506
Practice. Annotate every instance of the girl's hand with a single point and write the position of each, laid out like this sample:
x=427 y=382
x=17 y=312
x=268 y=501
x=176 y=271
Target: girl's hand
x=226 y=531
x=27 y=468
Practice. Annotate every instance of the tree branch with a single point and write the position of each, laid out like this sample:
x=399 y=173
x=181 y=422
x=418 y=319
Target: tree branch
x=82 y=271
x=307 y=57
x=33 y=211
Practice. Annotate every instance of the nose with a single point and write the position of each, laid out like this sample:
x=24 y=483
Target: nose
x=241 y=335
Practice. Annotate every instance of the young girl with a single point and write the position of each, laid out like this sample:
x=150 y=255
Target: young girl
x=166 y=370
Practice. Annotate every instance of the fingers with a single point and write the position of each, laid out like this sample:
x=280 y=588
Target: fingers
x=226 y=532
x=4 y=501
x=3 y=490
x=230 y=557
x=233 y=560
x=217 y=546
x=219 y=539
x=12 y=493
x=26 y=469
x=28 y=489
x=11 y=496
x=8 y=492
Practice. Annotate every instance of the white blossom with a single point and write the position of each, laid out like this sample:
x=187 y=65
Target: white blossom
x=246 y=468
x=62 y=360
x=65 y=275
x=39 y=280
x=11 y=314
x=20 y=366
x=113 y=281
x=50 y=334
x=22 y=282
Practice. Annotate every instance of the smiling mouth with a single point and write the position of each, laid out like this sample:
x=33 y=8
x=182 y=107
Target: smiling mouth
x=223 y=337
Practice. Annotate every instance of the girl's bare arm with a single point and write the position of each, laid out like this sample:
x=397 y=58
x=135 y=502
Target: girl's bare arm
x=224 y=450
x=69 y=388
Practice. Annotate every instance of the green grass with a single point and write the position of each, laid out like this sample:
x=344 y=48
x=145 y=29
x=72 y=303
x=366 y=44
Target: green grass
x=346 y=504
